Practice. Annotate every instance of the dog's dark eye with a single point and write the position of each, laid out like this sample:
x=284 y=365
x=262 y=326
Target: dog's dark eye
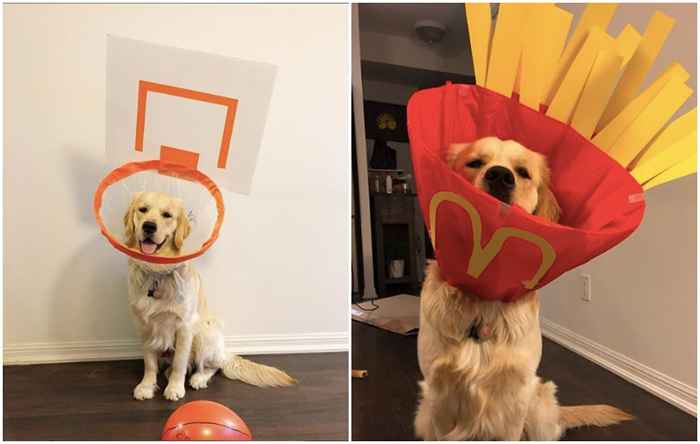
x=143 y=209
x=522 y=172
x=167 y=215
x=477 y=163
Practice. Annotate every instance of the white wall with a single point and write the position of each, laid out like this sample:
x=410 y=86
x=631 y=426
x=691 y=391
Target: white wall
x=278 y=275
x=642 y=317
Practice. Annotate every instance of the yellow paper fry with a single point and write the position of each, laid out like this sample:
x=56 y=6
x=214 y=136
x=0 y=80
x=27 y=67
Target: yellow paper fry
x=599 y=87
x=611 y=133
x=548 y=27
x=627 y=43
x=674 y=154
x=655 y=34
x=506 y=47
x=527 y=33
x=595 y=14
x=650 y=121
x=675 y=131
x=479 y=26
x=566 y=98
x=682 y=169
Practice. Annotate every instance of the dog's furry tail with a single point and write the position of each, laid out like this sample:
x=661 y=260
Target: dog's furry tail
x=255 y=374
x=591 y=415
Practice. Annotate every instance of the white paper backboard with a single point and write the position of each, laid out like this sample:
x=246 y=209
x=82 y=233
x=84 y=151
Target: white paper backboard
x=186 y=100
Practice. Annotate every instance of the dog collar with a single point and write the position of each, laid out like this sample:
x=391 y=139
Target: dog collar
x=155 y=276
x=152 y=289
x=159 y=271
x=479 y=331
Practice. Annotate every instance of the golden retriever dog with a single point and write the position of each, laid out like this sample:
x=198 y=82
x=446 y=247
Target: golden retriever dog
x=479 y=358
x=170 y=309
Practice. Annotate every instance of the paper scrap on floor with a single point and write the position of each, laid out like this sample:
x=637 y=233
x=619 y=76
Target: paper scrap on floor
x=397 y=314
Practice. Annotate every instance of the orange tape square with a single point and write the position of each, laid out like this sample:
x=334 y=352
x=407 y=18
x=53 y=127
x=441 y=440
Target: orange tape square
x=230 y=104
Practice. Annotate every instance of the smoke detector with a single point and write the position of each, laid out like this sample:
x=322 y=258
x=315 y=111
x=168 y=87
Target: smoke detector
x=430 y=31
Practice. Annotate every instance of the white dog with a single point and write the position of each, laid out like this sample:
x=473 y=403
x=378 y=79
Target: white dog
x=170 y=309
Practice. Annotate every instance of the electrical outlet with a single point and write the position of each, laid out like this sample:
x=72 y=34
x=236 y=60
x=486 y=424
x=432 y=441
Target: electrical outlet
x=586 y=280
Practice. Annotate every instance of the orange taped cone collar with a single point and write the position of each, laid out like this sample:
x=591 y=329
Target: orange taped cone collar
x=179 y=171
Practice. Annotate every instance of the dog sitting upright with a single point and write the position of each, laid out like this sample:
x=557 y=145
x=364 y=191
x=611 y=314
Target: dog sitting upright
x=169 y=306
x=479 y=358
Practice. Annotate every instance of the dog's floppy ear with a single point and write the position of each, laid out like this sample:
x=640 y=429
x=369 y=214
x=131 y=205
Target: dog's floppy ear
x=454 y=150
x=547 y=205
x=129 y=226
x=182 y=230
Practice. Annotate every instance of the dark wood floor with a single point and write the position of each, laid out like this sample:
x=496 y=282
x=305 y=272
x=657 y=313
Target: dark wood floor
x=383 y=404
x=93 y=401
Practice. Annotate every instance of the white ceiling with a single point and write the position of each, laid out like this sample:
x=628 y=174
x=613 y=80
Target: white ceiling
x=399 y=19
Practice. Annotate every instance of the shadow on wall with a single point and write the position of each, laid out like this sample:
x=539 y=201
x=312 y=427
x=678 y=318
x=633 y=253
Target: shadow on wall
x=86 y=174
x=90 y=293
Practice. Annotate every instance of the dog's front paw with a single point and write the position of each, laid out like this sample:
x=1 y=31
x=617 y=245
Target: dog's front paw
x=199 y=381
x=144 y=390
x=174 y=392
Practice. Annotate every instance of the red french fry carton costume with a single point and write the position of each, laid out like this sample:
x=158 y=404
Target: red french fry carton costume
x=497 y=251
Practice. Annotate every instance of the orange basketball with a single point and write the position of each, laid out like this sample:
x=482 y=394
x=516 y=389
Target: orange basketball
x=205 y=421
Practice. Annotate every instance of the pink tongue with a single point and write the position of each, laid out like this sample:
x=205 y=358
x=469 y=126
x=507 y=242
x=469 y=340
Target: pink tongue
x=148 y=248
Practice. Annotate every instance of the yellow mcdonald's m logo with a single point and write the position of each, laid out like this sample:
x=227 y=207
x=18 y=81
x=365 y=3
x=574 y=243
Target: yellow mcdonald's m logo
x=482 y=257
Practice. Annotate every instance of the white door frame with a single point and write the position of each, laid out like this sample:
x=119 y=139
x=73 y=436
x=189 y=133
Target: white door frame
x=361 y=156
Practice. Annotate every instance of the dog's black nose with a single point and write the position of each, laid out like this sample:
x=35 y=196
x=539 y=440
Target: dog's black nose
x=500 y=178
x=149 y=227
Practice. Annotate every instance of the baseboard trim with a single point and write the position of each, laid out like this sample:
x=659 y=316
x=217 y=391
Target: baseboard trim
x=112 y=350
x=658 y=384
